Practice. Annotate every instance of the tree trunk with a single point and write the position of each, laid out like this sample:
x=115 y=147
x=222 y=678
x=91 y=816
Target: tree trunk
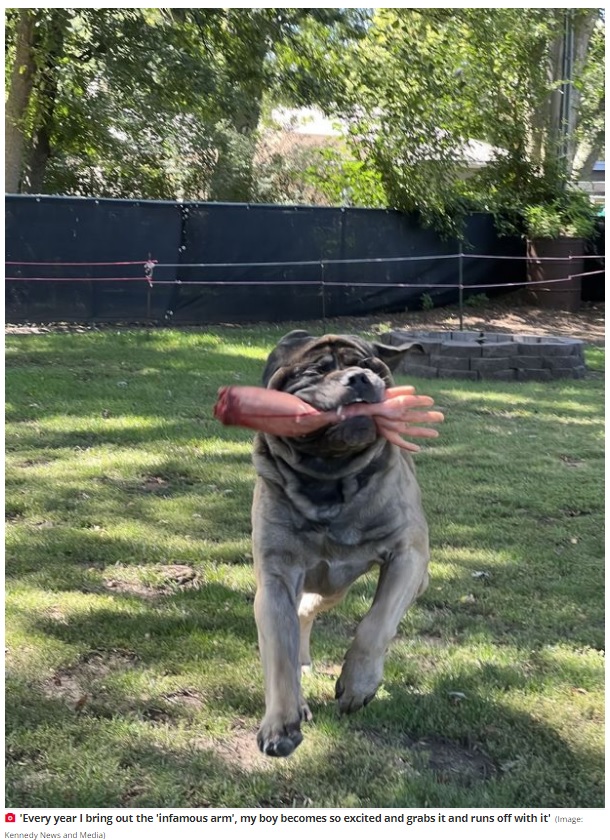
x=233 y=176
x=539 y=119
x=567 y=57
x=39 y=157
x=22 y=81
x=583 y=24
x=553 y=139
x=47 y=89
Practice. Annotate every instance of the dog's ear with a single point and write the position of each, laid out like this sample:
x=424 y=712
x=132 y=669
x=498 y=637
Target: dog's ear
x=392 y=356
x=280 y=356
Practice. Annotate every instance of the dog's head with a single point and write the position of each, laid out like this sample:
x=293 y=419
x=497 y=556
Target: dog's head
x=330 y=372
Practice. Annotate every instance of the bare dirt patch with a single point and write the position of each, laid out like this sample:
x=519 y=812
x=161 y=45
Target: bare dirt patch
x=154 y=484
x=75 y=684
x=239 y=750
x=449 y=761
x=151 y=581
x=186 y=698
x=587 y=324
x=503 y=314
x=569 y=461
x=452 y=763
x=165 y=485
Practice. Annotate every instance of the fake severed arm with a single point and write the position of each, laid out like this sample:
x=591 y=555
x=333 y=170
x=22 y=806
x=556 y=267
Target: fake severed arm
x=285 y=415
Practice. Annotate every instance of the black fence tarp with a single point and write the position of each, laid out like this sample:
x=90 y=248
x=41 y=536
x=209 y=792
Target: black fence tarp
x=192 y=245
x=593 y=286
x=62 y=231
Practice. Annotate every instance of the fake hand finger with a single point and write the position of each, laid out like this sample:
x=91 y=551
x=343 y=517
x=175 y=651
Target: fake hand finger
x=399 y=391
x=395 y=438
x=413 y=418
x=395 y=408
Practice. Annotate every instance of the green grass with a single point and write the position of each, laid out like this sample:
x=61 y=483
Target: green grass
x=132 y=682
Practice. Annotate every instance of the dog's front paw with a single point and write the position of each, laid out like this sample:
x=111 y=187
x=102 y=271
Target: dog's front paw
x=279 y=739
x=357 y=684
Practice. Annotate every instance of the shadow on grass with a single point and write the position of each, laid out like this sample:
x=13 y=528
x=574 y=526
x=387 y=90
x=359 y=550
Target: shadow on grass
x=176 y=431
x=160 y=630
x=513 y=606
x=512 y=742
x=405 y=758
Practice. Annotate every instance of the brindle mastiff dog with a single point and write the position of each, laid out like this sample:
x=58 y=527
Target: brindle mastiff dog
x=327 y=507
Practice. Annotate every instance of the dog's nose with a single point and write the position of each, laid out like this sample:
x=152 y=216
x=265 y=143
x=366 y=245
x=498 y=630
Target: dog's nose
x=363 y=384
x=357 y=379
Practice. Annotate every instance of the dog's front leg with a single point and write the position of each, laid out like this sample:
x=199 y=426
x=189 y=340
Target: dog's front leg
x=401 y=579
x=275 y=609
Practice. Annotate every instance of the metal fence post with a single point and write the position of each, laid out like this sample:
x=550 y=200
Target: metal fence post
x=322 y=291
x=461 y=285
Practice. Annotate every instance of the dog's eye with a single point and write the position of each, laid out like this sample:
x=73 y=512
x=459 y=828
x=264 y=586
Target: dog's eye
x=376 y=366
x=354 y=360
x=324 y=365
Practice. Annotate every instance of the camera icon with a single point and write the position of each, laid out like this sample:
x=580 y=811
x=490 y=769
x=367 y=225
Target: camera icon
x=9 y=818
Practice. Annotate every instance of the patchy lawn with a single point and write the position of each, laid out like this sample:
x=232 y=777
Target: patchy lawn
x=133 y=676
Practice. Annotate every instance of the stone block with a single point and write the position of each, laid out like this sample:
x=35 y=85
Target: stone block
x=496 y=337
x=568 y=373
x=398 y=337
x=501 y=348
x=507 y=375
x=521 y=338
x=566 y=362
x=413 y=369
x=578 y=348
x=460 y=349
x=558 y=350
x=464 y=335
x=527 y=362
x=444 y=373
x=486 y=366
x=430 y=345
x=530 y=349
x=450 y=363
x=430 y=341
x=416 y=357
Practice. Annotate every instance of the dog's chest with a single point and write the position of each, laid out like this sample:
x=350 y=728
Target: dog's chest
x=329 y=576
x=339 y=516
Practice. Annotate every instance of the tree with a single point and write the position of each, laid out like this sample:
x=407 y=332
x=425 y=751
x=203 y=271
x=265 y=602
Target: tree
x=160 y=103
x=116 y=100
x=425 y=82
x=274 y=53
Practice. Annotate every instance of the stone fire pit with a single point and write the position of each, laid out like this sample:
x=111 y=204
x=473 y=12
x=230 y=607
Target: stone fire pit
x=487 y=355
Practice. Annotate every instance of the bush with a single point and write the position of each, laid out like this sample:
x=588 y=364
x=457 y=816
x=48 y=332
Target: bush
x=570 y=215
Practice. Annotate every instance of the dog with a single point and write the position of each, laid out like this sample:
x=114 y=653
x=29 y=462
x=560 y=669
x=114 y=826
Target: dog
x=327 y=507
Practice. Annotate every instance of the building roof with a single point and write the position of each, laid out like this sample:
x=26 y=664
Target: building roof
x=313 y=123
x=309 y=121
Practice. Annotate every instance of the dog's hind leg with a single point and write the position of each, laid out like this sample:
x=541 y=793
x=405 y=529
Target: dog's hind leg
x=310 y=606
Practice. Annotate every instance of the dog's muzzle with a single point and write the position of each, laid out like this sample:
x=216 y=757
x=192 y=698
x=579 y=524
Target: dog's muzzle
x=343 y=387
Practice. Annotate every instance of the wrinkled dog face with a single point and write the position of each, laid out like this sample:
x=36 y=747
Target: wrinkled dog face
x=330 y=372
